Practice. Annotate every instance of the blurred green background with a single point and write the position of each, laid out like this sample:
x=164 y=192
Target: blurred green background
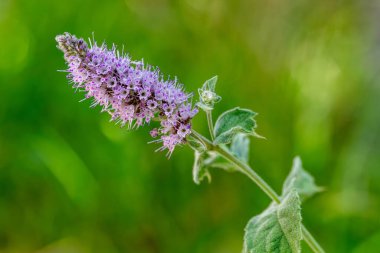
x=70 y=181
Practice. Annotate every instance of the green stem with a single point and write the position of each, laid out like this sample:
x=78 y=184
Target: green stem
x=210 y=123
x=310 y=240
x=244 y=168
x=248 y=171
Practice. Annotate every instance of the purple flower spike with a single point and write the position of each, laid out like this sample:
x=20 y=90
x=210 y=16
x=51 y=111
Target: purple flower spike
x=131 y=92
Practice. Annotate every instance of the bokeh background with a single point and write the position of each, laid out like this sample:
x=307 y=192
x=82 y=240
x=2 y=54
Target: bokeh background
x=72 y=182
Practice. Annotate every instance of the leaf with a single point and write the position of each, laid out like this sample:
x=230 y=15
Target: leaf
x=232 y=122
x=277 y=229
x=204 y=107
x=210 y=84
x=240 y=147
x=195 y=144
x=203 y=161
x=213 y=160
x=207 y=95
x=218 y=162
x=200 y=170
x=226 y=166
x=301 y=180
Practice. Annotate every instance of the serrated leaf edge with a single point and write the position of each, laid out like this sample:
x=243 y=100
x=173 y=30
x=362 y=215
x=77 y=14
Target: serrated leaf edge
x=237 y=128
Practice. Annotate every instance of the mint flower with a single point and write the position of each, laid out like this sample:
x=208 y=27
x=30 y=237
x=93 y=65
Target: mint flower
x=130 y=91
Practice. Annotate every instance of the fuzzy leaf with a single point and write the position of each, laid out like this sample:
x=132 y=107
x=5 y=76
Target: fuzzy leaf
x=277 y=229
x=204 y=107
x=226 y=166
x=213 y=160
x=232 y=122
x=195 y=144
x=207 y=95
x=240 y=147
x=301 y=180
x=200 y=170
x=210 y=84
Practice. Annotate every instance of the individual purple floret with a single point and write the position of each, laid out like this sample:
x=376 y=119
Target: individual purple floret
x=133 y=93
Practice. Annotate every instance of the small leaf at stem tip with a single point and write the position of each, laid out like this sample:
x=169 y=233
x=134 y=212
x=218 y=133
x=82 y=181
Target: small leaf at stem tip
x=301 y=180
x=277 y=229
x=200 y=170
x=232 y=122
x=207 y=95
x=210 y=84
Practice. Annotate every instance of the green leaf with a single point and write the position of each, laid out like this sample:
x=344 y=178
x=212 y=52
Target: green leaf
x=232 y=122
x=277 y=229
x=216 y=161
x=195 y=144
x=210 y=84
x=204 y=107
x=200 y=171
x=207 y=95
x=240 y=147
x=226 y=166
x=301 y=180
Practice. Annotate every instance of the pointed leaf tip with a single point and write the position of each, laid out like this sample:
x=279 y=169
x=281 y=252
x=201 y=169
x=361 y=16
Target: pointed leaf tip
x=301 y=180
